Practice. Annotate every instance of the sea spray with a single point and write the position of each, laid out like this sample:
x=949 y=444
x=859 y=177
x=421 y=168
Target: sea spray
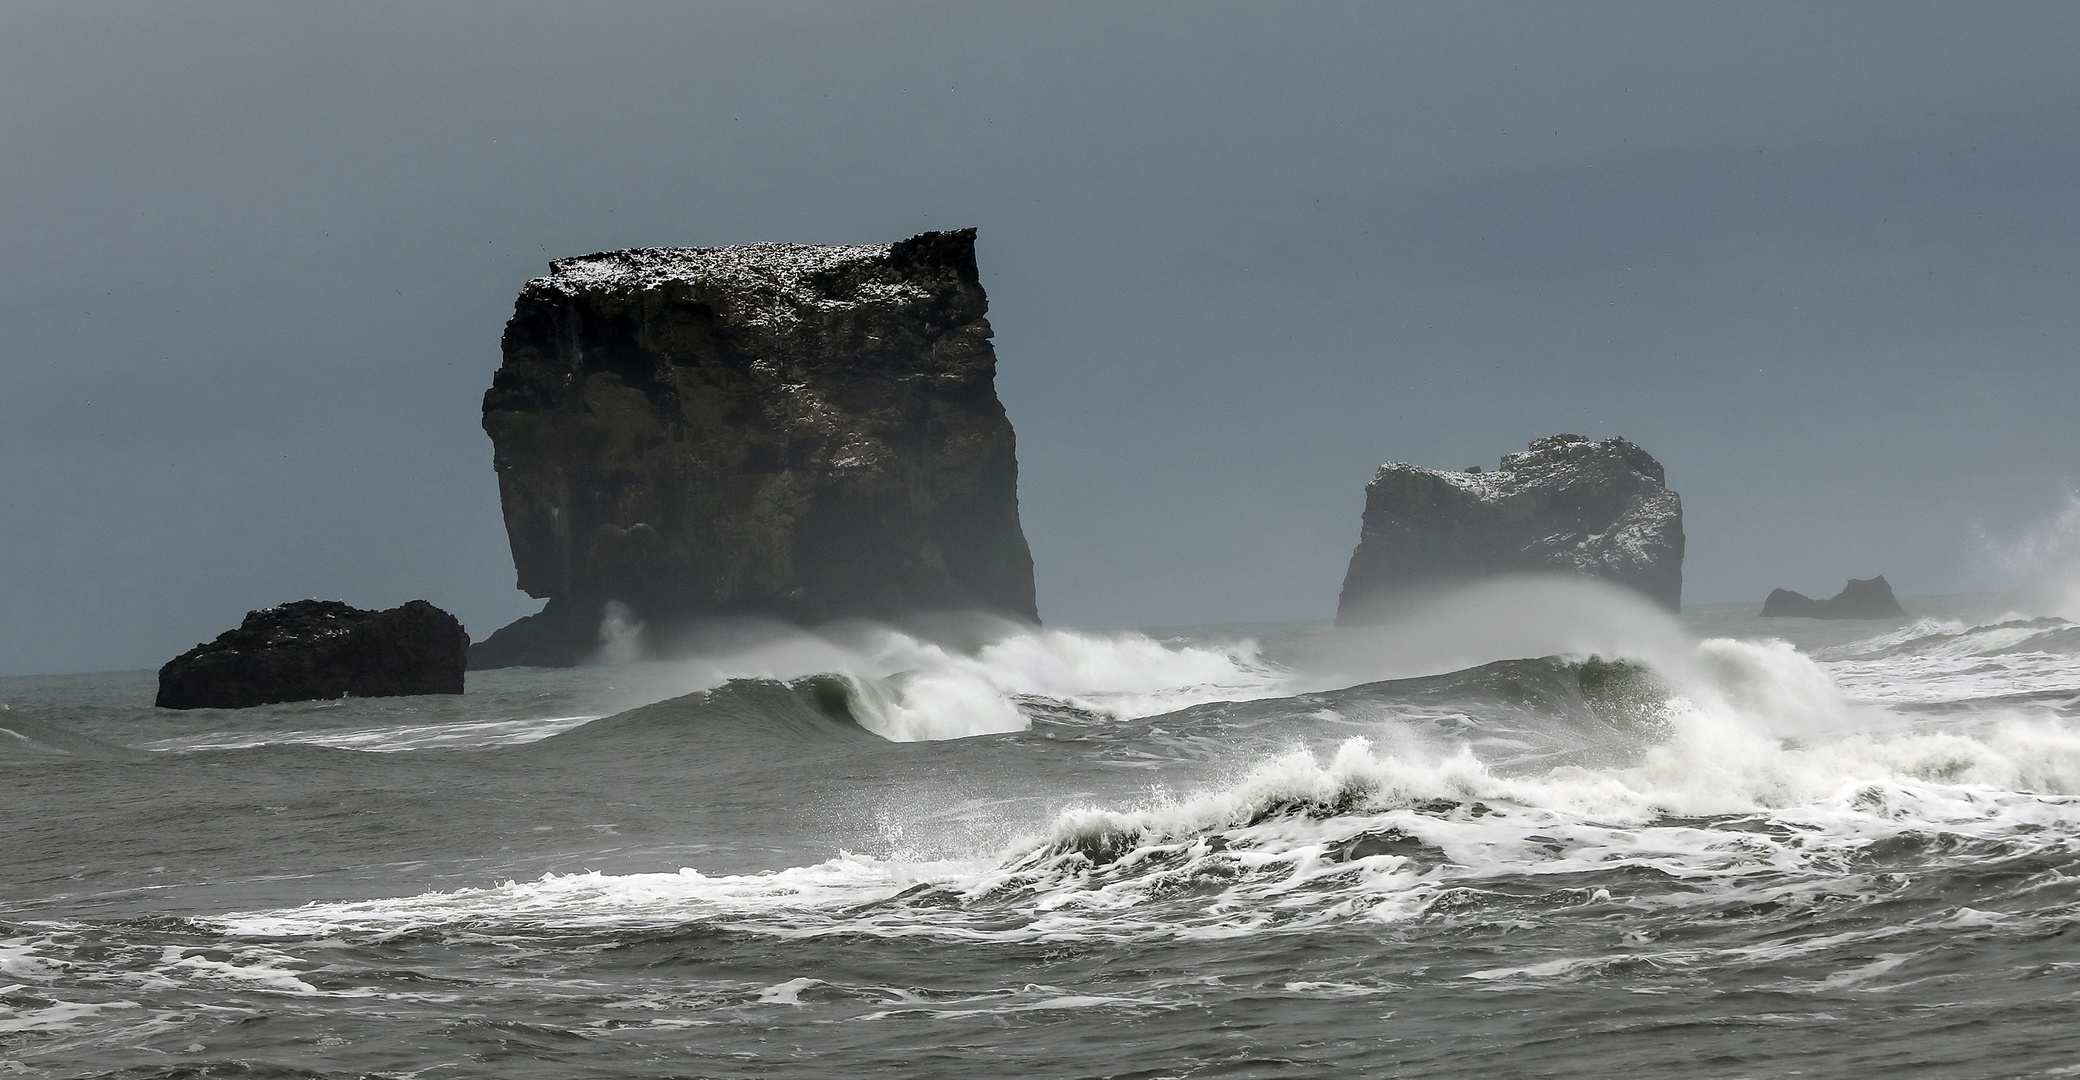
x=909 y=688
x=2040 y=564
x=1501 y=619
x=620 y=635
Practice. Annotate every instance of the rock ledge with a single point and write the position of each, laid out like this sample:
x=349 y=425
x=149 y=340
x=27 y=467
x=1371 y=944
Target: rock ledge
x=314 y=649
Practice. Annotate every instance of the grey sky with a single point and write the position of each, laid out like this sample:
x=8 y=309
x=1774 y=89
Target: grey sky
x=1819 y=259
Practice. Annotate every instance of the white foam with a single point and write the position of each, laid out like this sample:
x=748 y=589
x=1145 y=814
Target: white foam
x=1057 y=1000
x=459 y=735
x=1261 y=856
x=1863 y=973
x=1319 y=988
x=56 y=1017
x=1755 y=733
x=1925 y=627
x=787 y=993
x=909 y=688
x=19 y=959
x=261 y=974
x=1922 y=680
x=1937 y=661
x=942 y=694
x=593 y=900
x=1549 y=969
x=1768 y=684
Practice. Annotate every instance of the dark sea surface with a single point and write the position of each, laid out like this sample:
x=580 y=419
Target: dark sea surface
x=1537 y=830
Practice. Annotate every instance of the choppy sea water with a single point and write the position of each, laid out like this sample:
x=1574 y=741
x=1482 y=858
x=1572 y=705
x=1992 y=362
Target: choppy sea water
x=1537 y=830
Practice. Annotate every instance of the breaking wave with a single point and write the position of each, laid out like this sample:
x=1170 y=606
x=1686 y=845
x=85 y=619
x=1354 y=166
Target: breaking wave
x=1758 y=769
x=1399 y=821
x=906 y=688
x=1953 y=663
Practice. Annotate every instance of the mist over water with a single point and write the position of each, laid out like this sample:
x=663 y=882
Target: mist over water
x=1530 y=811
x=2040 y=565
x=961 y=675
x=1502 y=619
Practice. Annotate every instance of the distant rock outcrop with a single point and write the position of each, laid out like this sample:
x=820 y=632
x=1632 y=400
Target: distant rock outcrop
x=1567 y=504
x=800 y=432
x=1865 y=599
x=320 y=649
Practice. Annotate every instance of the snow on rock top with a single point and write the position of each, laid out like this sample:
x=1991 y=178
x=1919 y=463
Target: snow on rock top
x=760 y=284
x=787 y=267
x=1555 y=459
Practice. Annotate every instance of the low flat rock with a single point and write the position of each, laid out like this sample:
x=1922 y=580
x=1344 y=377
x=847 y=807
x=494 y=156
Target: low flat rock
x=315 y=649
x=1860 y=599
x=1567 y=504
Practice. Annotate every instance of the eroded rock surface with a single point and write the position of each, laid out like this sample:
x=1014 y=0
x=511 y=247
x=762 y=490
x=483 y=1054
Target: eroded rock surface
x=801 y=432
x=1567 y=504
x=314 y=649
x=1860 y=599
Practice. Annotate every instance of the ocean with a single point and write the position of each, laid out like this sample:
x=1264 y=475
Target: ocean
x=1539 y=829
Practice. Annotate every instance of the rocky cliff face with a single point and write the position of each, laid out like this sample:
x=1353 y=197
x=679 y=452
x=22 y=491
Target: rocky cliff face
x=315 y=649
x=1862 y=598
x=794 y=431
x=1567 y=504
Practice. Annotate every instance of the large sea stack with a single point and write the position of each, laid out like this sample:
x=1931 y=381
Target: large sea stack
x=800 y=432
x=315 y=649
x=1568 y=505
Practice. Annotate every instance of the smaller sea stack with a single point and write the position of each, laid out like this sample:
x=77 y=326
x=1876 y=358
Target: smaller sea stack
x=314 y=649
x=1565 y=505
x=1860 y=599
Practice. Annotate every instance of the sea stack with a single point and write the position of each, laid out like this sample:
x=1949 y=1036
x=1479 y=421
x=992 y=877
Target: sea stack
x=799 y=432
x=315 y=649
x=1565 y=505
x=1869 y=598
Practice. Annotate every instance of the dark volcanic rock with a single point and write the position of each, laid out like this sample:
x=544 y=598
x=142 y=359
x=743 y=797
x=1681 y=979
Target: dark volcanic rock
x=807 y=433
x=1567 y=504
x=1865 y=599
x=320 y=649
